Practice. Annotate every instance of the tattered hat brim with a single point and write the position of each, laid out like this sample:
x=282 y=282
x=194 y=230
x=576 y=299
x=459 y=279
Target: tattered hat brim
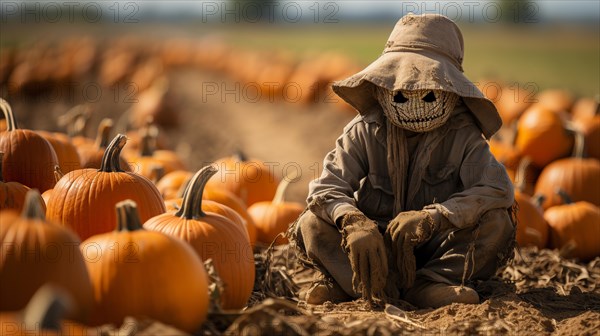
x=414 y=69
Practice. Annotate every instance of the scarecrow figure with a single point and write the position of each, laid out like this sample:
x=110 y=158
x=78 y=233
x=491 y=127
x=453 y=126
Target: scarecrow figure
x=411 y=204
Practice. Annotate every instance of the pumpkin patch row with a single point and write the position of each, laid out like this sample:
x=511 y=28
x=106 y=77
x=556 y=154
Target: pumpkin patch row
x=549 y=145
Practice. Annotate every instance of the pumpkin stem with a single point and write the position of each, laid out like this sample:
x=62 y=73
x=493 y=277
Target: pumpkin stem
x=11 y=122
x=191 y=207
x=148 y=145
x=240 y=156
x=538 y=200
x=58 y=174
x=103 y=135
x=565 y=197
x=110 y=159
x=521 y=173
x=33 y=206
x=46 y=308
x=579 y=145
x=128 y=218
x=282 y=187
x=76 y=120
x=157 y=172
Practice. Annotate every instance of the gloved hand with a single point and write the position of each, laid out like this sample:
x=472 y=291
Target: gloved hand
x=406 y=231
x=364 y=245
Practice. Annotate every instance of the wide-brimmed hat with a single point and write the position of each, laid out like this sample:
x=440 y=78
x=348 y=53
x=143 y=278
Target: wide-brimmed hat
x=423 y=52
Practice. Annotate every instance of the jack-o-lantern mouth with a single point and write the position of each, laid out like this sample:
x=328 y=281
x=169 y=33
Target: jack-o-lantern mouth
x=425 y=119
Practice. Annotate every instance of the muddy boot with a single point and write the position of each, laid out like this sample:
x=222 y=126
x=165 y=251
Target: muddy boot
x=323 y=290
x=426 y=294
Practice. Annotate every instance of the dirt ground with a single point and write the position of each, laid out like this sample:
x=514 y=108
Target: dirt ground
x=540 y=293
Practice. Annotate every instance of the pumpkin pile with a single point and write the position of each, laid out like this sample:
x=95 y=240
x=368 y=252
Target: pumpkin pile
x=119 y=243
x=549 y=146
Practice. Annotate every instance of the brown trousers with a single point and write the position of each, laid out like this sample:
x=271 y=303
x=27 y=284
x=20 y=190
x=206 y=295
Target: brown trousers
x=453 y=256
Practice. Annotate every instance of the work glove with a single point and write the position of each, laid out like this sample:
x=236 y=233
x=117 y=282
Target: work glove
x=364 y=244
x=406 y=231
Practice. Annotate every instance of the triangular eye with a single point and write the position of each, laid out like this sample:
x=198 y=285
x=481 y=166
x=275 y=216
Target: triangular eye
x=429 y=98
x=399 y=98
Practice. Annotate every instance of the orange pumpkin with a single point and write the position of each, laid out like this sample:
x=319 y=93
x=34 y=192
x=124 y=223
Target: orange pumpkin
x=580 y=178
x=586 y=119
x=556 y=100
x=575 y=227
x=507 y=155
x=145 y=273
x=532 y=228
x=66 y=152
x=274 y=217
x=213 y=237
x=28 y=157
x=36 y=252
x=511 y=102
x=84 y=199
x=172 y=184
x=222 y=202
x=250 y=180
x=542 y=136
x=91 y=153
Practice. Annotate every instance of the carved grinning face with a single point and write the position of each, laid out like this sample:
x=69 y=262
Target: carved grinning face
x=417 y=110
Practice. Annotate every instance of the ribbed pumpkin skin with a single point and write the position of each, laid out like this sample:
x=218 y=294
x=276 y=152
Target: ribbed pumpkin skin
x=272 y=219
x=146 y=273
x=578 y=222
x=229 y=199
x=28 y=159
x=84 y=200
x=168 y=160
x=36 y=252
x=579 y=178
x=216 y=237
x=532 y=228
x=66 y=152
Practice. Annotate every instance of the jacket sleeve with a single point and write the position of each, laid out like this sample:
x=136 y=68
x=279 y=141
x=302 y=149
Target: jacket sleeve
x=332 y=194
x=486 y=186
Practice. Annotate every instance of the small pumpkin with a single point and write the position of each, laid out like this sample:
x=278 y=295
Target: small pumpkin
x=542 y=136
x=66 y=152
x=83 y=199
x=28 y=157
x=213 y=237
x=575 y=227
x=35 y=252
x=274 y=217
x=578 y=177
x=137 y=272
x=91 y=154
x=249 y=179
x=586 y=119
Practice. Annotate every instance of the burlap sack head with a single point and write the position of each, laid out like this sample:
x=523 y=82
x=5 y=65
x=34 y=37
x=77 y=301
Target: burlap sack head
x=423 y=52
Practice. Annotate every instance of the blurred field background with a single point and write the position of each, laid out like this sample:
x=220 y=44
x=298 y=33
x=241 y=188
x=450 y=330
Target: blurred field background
x=526 y=45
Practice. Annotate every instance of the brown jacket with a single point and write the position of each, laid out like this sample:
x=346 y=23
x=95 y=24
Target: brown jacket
x=462 y=179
